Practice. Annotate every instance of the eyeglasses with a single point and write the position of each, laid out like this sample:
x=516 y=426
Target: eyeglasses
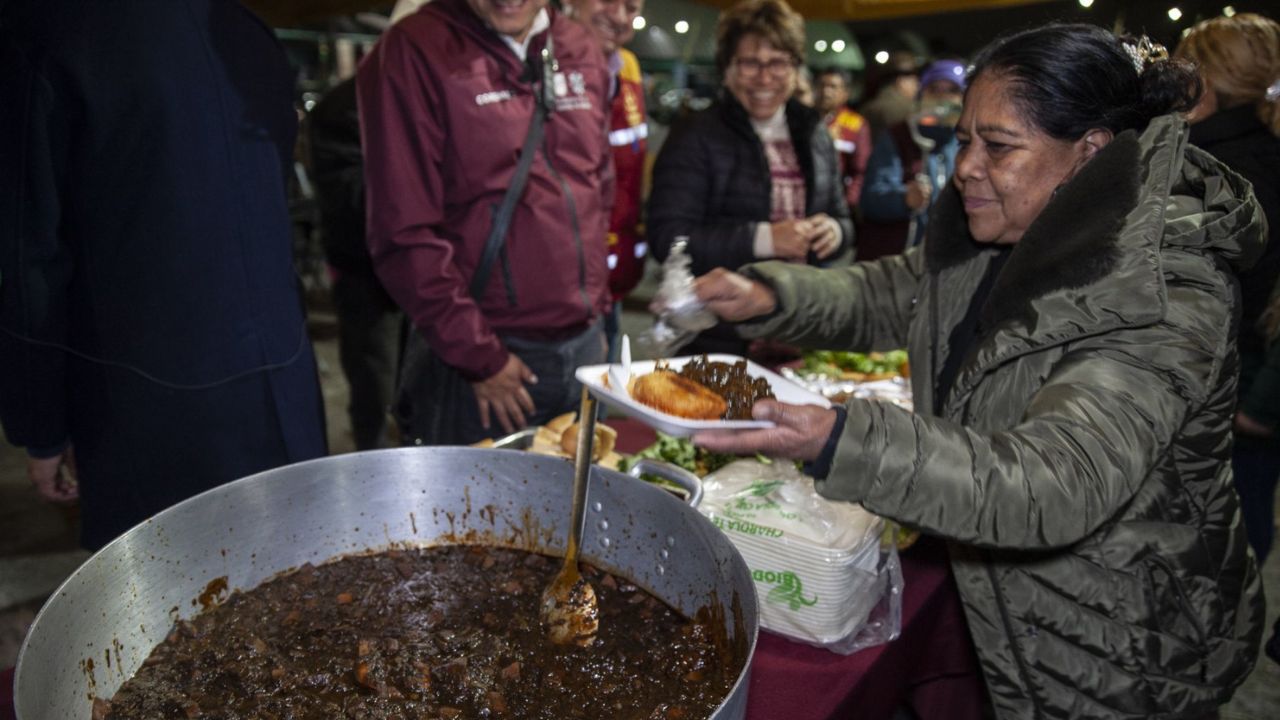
x=777 y=67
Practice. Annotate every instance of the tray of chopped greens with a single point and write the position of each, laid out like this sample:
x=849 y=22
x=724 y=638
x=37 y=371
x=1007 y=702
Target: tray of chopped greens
x=839 y=375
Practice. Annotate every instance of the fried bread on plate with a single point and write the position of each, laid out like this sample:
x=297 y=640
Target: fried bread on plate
x=677 y=395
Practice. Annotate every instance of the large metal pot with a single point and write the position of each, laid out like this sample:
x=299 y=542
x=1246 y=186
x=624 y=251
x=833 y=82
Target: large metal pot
x=99 y=626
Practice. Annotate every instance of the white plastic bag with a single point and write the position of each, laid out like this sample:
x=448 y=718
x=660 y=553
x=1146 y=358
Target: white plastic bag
x=681 y=315
x=819 y=569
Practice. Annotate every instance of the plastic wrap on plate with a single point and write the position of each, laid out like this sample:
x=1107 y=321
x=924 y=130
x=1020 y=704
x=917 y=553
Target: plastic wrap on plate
x=893 y=390
x=819 y=568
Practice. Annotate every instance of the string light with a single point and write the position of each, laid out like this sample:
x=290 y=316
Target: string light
x=682 y=27
x=638 y=23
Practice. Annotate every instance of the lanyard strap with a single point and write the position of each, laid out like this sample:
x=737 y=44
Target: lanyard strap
x=502 y=220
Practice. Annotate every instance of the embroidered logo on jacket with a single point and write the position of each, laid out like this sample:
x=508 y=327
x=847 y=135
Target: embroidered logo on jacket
x=488 y=98
x=562 y=84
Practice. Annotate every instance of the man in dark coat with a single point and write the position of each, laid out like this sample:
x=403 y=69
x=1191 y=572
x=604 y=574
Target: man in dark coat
x=368 y=319
x=149 y=313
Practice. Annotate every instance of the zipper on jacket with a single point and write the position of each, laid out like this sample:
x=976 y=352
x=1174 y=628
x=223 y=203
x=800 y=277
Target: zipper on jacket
x=987 y=561
x=505 y=258
x=573 y=223
x=763 y=158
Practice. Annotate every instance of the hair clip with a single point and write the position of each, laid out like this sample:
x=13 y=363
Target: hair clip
x=1144 y=52
x=1273 y=92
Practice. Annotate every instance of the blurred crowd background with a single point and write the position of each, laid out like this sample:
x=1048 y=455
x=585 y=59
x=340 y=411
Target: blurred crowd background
x=874 y=42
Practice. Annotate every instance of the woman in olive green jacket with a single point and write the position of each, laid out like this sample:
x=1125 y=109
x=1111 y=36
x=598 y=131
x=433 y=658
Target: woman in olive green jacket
x=1071 y=324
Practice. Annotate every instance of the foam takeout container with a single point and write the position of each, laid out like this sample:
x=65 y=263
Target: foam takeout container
x=595 y=378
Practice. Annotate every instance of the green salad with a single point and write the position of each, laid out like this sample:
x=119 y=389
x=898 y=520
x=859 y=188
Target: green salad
x=681 y=453
x=840 y=364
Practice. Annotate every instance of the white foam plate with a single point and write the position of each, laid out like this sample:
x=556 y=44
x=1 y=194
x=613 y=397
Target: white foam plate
x=593 y=376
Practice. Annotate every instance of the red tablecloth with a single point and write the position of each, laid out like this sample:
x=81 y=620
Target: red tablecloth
x=930 y=667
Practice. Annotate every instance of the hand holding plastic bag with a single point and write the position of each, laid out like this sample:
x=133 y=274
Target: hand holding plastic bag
x=681 y=315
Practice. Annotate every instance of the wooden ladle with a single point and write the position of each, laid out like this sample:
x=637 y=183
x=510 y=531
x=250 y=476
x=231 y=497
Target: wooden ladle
x=569 y=609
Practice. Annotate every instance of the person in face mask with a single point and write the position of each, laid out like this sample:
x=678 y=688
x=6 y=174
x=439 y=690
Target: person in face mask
x=910 y=162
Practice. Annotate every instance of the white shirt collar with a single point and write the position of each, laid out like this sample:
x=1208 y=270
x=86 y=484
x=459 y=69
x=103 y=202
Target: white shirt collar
x=774 y=128
x=541 y=22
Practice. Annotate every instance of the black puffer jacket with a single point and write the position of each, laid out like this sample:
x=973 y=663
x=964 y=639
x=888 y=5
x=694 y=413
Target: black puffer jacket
x=711 y=183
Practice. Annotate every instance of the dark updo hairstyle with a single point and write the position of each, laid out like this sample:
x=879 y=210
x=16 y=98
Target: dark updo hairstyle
x=1068 y=79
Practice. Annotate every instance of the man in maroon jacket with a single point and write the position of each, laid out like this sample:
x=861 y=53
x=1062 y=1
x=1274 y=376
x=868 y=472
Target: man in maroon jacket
x=446 y=102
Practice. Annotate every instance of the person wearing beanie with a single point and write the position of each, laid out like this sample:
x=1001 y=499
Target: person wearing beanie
x=910 y=163
x=942 y=77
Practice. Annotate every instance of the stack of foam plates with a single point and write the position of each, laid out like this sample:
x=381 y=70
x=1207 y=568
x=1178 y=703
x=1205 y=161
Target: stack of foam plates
x=813 y=560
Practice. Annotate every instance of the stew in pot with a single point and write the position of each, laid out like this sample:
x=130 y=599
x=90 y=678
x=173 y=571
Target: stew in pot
x=442 y=632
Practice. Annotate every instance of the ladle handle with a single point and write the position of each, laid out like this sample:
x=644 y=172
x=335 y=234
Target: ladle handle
x=581 y=472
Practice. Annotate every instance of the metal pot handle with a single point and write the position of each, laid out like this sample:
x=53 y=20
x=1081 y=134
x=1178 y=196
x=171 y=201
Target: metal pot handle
x=519 y=440
x=688 y=482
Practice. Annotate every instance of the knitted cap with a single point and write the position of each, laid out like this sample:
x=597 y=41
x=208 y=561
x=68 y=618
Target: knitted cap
x=952 y=70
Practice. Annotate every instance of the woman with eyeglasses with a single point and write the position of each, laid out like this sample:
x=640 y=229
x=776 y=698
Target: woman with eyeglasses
x=754 y=176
